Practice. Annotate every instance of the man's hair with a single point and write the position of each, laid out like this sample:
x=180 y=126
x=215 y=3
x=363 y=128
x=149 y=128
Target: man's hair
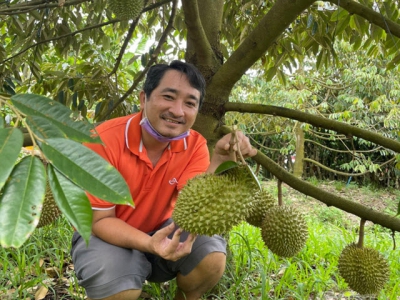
x=156 y=73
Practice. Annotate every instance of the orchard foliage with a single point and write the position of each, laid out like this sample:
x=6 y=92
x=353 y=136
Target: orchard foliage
x=285 y=62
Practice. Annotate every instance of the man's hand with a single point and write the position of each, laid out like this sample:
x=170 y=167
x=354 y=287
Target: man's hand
x=227 y=147
x=171 y=249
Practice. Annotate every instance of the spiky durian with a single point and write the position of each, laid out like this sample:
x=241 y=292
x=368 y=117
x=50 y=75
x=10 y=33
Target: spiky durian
x=284 y=230
x=126 y=9
x=365 y=270
x=211 y=204
x=261 y=202
x=50 y=211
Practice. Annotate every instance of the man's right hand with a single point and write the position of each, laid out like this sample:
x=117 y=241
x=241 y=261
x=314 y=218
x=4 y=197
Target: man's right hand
x=171 y=249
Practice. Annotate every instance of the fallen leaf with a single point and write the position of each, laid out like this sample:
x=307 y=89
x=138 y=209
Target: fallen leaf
x=41 y=293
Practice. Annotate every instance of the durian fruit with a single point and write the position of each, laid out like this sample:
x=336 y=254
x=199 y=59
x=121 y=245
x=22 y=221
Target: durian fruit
x=212 y=204
x=126 y=9
x=284 y=230
x=260 y=204
x=50 y=211
x=365 y=270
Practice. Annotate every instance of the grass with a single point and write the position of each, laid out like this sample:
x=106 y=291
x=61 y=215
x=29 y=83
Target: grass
x=43 y=264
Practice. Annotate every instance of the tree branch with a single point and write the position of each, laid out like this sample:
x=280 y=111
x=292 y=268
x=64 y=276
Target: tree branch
x=59 y=38
x=315 y=121
x=152 y=59
x=369 y=14
x=21 y=8
x=329 y=199
x=196 y=34
x=343 y=173
x=124 y=46
x=342 y=151
x=270 y=27
x=148 y=8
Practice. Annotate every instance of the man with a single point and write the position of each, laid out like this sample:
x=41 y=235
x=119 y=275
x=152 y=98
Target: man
x=156 y=152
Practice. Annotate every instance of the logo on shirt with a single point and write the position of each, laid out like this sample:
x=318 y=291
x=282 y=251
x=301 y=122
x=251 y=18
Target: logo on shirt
x=173 y=181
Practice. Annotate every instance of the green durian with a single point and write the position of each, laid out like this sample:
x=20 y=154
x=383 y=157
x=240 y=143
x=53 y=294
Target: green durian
x=126 y=9
x=50 y=211
x=284 y=230
x=261 y=202
x=365 y=270
x=211 y=204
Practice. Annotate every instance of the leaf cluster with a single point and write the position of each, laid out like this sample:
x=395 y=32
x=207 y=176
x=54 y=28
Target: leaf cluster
x=70 y=168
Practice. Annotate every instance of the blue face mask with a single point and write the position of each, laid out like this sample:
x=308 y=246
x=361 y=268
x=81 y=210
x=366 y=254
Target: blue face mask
x=145 y=123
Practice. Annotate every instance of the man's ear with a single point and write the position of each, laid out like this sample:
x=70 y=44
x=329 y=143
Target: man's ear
x=142 y=98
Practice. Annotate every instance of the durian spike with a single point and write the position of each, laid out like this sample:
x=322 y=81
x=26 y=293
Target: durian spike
x=360 y=243
x=280 y=201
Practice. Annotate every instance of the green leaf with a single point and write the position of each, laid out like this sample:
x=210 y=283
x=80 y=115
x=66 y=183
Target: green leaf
x=72 y=201
x=225 y=166
x=57 y=114
x=11 y=140
x=87 y=169
x=43 y=128
x=21 y=201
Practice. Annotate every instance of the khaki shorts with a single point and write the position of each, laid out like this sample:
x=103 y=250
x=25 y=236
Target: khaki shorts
x=104 y=269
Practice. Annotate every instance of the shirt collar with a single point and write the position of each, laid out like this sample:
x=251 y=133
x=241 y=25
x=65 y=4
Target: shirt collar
x=133 y=137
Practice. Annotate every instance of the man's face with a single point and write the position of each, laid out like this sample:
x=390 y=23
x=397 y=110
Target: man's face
x=172 y=107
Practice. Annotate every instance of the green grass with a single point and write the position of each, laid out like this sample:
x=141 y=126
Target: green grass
x=252 y=272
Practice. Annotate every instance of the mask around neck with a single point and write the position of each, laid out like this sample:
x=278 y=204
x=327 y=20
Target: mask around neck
x=145 y=123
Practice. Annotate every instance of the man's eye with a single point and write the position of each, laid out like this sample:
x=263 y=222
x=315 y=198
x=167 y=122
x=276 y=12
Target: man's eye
x=191 y=104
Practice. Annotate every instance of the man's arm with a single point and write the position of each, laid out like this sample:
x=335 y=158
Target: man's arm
x=115 y=231
x=223 y=153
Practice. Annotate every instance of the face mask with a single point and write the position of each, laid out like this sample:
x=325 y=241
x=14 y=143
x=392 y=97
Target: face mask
x=145 y=123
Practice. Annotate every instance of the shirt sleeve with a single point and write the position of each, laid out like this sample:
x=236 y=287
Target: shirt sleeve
x=198 y=164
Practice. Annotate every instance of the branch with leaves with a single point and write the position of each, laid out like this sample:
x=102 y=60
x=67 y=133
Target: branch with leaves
x=329 y=199
x=153 y=58
x=316 y=121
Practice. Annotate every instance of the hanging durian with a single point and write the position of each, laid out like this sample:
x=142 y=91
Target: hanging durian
x=365 y=270
x=211 y=204
x=261 y=202
x=126 y=9
x=50 y=211
x=284 y=230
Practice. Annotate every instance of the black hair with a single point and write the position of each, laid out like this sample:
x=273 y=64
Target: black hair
x=156 y=73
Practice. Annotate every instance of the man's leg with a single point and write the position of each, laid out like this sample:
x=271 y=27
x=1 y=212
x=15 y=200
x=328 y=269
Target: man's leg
x=202 y=278
x=107 y=271
x=125 y=295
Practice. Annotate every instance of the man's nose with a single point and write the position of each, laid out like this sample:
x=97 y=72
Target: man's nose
x=177 y=108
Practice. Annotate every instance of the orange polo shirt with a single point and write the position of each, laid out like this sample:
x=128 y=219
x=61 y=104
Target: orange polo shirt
x=154 y=189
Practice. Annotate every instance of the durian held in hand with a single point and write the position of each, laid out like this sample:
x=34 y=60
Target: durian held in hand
x=365 y=270
x=213 y=203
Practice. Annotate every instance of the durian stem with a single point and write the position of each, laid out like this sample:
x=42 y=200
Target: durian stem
x=361 y=234
x=280 y=201
x=233 y=141
x=258 y=169
x=394 y=240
